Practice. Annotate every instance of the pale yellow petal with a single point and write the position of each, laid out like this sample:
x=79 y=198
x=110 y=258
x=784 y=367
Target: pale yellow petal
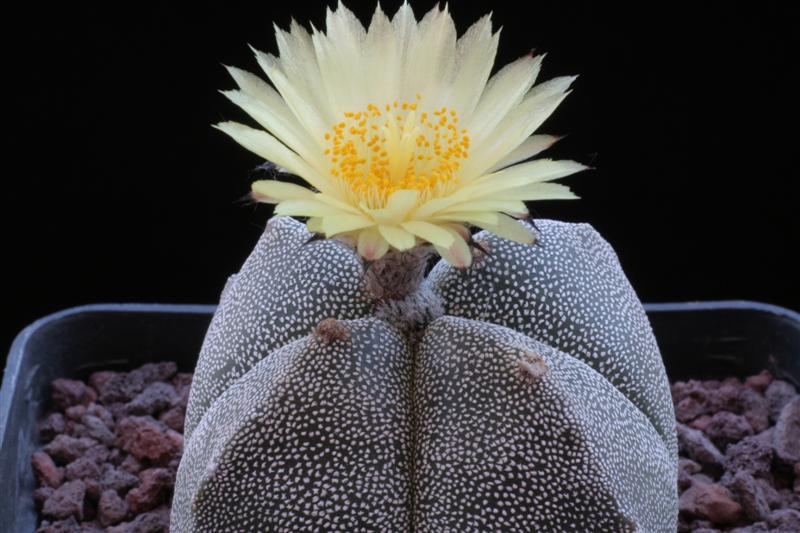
x=399 y=238
x=265 y=145
x=371 y=244
x=272 y=191
x=381 y=55
x=299 y=63
x=398 y=206
x=511 y=206
x=457 y=254
x=341 y=223
x=429 y=232
x=460 y=229
x=504 y=91
x=339 y=54
x=473 y=217
x=542 y=191
x=291 y=89
x=314 y=224
x=531 y=147
x=517 y=126
x=282 y=125
x=305 y=208
x=537 y=171
x=475 y=53
x=431 y=58
x=339 y=204
x=511 y=229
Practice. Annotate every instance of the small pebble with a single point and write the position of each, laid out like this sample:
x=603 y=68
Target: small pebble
x=111 y=509
x=153 y=489
x=46 y=470
x=697 y=447
x=66 y=501
x=786 y=437
x=711 y=502
x=145 y=438
x=66 y=449
x=726 y=428
x=778 y=394
x=67 y=392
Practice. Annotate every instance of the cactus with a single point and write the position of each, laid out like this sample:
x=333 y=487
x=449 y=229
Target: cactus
x=348 y=384
x=532 y=397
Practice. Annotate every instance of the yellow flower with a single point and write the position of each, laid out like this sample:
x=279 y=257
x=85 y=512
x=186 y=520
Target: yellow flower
x=399 y=132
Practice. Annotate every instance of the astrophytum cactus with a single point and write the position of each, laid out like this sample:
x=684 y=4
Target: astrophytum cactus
x=531 y=398
x=349 y=382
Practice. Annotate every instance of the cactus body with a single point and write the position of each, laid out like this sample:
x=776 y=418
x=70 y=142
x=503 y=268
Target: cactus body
x=285 y=287
x=537 y=403
x=570 y=292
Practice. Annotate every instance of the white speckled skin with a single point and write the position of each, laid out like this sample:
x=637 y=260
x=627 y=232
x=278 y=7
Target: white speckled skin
x=282 y=291
x=498 y=452
x=570 y=292
x=315 y=437
x=541 y=407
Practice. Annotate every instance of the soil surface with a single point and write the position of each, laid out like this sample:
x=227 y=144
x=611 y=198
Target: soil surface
x=112 y=446
x=739 y=466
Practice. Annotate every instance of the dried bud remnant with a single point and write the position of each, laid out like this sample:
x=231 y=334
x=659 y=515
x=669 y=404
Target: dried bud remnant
x=330 y=329
x=532 y=366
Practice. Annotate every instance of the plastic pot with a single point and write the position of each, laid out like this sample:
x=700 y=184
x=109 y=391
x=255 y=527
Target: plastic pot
x=697 y=340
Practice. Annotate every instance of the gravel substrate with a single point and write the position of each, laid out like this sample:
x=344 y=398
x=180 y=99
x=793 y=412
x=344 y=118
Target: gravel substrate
x=739 y=455
x=113 y=445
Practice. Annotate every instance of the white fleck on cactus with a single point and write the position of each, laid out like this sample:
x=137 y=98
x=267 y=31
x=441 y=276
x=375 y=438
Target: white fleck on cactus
x=344 y=387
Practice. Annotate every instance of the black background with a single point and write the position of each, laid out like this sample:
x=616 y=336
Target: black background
x=123 y=192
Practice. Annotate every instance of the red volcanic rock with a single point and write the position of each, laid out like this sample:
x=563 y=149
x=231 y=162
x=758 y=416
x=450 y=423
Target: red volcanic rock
x=711 y=502
x=111 y=509
x=697 y=447
x=67 y=392
x=153 y=489
x=778 y=394
x=726 y=428
x=145 y=438
x=46 y=470
x=786 y=437
x=66 y=501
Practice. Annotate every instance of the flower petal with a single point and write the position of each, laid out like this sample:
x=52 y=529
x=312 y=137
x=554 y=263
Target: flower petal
x=532 y=146
x=536 y=171
x=371 y=244
x=305 y=208
x=399 y=238
x=475 y=53
x=341 y=223
x=314 y=224
x=511 y=229
x=282 y=126
x=504 y=91
x=430 y=61
x=429 y=232
x=458 y=254
x=542 y=191
x=268 y=147
x=382 y=55
x=311 y=116
x=473 y=217
x=517 y=126
x=511 y=206
x=272 y=191
x=398 y=206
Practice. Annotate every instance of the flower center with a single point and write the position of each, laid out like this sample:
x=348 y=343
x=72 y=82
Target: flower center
x=377 y=151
